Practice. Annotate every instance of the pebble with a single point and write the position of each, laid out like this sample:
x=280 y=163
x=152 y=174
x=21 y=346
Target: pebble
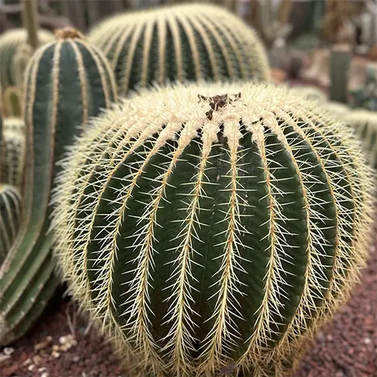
x=45 y=374
x=8 y=350
x=31 y=367
x=37 y=359
x=55 y=354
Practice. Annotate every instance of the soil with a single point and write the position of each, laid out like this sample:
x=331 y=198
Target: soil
x=62 y=344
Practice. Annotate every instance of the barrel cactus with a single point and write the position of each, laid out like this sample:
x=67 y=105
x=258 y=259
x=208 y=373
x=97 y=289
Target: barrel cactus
x=213 y=228
x=12 y=168
x=177 y=43
x=364 y=123
x=12 y=43
x=67 y=81
x=10 y=214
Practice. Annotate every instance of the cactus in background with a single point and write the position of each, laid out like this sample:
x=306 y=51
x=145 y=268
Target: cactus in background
x=212 y=227
x=12 y=102
x=178 y=43
x=310 y=93
x=365 y=124
x=12 y=168
x=1 y=142
x=336 y=109
x=11 y=42
x=67 y=82
x=10 y=215
x=339 y=65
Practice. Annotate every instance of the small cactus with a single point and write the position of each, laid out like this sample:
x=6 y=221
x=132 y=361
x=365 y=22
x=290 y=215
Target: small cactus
x=339 y=66
x=364 y=123
x=12 y=168
x=214 y=227
x=67 y=82
x=10 y=214
x=10 y=44
x=178 y=43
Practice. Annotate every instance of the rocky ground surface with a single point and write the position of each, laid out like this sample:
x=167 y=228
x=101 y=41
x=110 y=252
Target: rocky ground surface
x=62 y=344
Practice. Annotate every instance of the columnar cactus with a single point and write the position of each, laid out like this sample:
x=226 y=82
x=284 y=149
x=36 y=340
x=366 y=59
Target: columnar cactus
x=13 y=164
x=10 y=214
x=184 y=42
x=365 y=124
x=213 y=228
x=11 y=42
x=67 y=82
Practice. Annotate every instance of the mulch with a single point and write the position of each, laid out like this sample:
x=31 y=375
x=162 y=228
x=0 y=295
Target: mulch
x=62 y=344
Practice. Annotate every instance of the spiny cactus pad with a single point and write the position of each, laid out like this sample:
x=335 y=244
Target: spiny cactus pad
x=67 y=82
x=10 y=214
x=184 y=42
x=213 y=227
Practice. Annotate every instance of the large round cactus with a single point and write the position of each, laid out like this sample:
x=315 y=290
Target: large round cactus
x=213 y=228
x=67 y=82
x=185 y=42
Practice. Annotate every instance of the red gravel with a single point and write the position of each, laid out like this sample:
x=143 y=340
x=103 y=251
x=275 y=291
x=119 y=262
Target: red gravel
x=345 y=348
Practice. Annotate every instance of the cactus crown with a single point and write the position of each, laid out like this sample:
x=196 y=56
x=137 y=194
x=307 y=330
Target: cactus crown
x=178 y=43
x=214 y=225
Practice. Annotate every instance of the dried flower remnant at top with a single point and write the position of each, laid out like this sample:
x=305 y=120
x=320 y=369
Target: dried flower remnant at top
x=216 y=102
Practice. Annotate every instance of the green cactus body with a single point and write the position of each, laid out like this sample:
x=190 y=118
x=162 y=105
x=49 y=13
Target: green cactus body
x=185 y=42
x=11 y=43
x=365 y=124
x=214 y=226
x=67 y=82
x=13 y=164
x=339 y=66
x=12 y=102
x=10 y=214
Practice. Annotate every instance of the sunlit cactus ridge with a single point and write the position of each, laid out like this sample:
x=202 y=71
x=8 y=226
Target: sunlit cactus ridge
x=177 y=43
x=213 y=226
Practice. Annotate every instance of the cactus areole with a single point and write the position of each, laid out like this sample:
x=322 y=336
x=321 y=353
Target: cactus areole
x=213 y=227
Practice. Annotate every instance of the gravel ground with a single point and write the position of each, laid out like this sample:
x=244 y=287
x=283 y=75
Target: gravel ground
x=62 y=345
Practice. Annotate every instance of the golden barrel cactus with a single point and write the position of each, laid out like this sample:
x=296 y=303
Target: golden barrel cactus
x=209 y=228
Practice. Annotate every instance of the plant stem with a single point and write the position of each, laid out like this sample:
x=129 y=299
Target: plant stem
x=30 y=21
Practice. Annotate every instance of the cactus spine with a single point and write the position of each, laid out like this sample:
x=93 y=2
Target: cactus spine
x=186 y=42
x=214 y=225
x=12 y=168
x=67 y=82
x=11 y=42
x=10 y=214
